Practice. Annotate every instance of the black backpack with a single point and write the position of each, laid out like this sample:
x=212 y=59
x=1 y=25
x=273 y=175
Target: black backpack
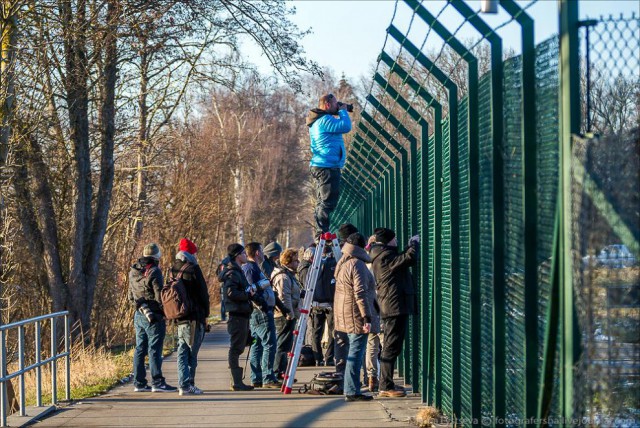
x=306 y=357
x=326 y=283
x=324 y=383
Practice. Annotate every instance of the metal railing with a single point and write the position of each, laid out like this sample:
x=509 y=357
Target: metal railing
x=37 y=365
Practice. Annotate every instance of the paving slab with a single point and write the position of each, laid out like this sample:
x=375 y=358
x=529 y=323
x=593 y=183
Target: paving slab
x=220 y=407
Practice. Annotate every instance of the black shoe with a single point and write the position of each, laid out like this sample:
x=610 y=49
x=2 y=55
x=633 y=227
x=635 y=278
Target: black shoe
x=242 y=387
x=163 y=387
x=358 y=397
x=330 y=363
x=257 y=384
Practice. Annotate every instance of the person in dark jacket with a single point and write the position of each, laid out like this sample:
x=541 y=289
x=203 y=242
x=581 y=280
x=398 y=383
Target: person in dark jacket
x=192 y=327
x=271 y=259
x=322 y=310
x=237 y=294
x=262 y=353
x=145 y=284
x=396 y=297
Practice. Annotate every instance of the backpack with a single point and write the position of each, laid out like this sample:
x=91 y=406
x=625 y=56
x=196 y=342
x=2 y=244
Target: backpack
x=306 y=357
x=326 y=282
x=175 y=298
x=324 y=383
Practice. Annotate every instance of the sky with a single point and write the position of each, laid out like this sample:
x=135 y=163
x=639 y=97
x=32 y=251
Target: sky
x=349 y=35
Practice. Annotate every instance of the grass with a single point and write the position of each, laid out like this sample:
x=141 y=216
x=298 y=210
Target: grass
x=94 y=371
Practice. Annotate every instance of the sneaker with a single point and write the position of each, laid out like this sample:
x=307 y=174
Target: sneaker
x=163 y=388
x=145 y=388
x=190 y=390
x=358 y=397
x=272 y=385
x=394 y=393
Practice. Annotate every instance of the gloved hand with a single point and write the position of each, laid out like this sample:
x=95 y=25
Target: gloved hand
x=414 y=238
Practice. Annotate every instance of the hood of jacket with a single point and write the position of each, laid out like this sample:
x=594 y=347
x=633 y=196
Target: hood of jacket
x=187 y=257
x=142 y=263
x=378 y=249
x=315 y=114
x=356 y=252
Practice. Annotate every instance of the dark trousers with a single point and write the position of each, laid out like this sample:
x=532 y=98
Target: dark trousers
x=320 y=316
x=327 y=182
x=394 y=331
x=284 y=330
x=341 y=347
x=238 y=329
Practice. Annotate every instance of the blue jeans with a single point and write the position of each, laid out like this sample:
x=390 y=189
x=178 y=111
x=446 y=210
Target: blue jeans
x=357 y=346
x=149 y=339
x=188 y=355
x=263 y=350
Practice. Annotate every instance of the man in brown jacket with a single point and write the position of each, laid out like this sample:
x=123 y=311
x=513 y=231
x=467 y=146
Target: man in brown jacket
x=354 y=309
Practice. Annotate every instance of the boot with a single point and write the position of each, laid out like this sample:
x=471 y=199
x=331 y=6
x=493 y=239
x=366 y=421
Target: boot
x=373 y=384
x=238 y=385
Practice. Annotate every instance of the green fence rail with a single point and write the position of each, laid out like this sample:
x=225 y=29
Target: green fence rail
x=477 y=153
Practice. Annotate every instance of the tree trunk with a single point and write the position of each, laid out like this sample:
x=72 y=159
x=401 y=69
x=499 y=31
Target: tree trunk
x=107 y=134
x=77 y=69
x=237 y=195
x=141 y=175
x=7 y=76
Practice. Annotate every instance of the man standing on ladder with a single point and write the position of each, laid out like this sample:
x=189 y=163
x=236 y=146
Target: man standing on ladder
x=328 y=154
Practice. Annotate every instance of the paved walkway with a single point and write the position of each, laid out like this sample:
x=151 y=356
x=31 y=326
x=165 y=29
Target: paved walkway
x=219 y=407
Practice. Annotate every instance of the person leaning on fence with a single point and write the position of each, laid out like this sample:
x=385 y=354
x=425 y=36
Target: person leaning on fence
x=145 y=285
x=396 y=296
x=237 y=295
x=328 y=155
x=354 y=308
x=285 y=282
x=191 y=328
x=263 y=328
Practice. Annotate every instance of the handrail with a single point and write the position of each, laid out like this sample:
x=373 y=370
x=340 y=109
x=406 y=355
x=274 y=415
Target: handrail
x=52 y=360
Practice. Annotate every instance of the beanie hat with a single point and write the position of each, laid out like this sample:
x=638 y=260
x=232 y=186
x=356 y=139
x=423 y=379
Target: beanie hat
x=384 y=235
x=273 y=249
x=188 y=246
x=345 y=230
x=234 y=250
x=152 y=250
x=309 y=253
x=356 y=239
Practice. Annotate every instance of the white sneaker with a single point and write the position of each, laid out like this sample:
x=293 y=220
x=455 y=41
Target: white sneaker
x=190 y=390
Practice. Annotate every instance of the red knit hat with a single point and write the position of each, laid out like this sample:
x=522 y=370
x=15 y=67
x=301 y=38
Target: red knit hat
x=188 y=246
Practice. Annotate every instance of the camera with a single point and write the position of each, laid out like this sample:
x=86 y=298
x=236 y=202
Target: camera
x=147 y=312
x=349 y=106
x=263 y=284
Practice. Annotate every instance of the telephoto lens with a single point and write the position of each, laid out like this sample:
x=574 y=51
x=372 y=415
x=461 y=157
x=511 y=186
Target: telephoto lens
x=263 y=284
x=147 y=312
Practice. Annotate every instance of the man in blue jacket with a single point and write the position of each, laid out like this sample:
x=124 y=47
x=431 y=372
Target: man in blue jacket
x=328 y=154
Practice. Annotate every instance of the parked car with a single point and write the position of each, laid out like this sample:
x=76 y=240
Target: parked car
x=614 y=256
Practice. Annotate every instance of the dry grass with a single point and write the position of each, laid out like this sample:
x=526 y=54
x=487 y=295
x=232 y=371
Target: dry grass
x=427 y=417
x=93 y=371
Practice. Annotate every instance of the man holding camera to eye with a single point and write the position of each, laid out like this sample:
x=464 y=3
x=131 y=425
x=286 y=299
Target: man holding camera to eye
x=327 y=123
x=263 y=328
x=145 y=284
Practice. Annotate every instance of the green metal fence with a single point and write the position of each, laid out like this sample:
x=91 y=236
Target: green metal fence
x=479 y=163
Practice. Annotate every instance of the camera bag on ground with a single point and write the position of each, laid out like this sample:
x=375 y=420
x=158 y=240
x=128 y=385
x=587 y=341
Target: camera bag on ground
x=175 y=299
x=306 y=357
x=324 y=383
